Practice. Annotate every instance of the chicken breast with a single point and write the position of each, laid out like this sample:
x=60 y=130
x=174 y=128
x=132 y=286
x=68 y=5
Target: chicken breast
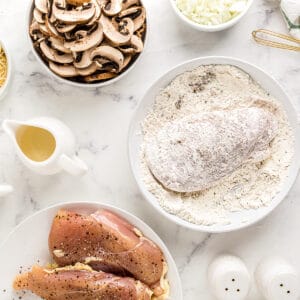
x=108 y=243
x=80 y=283
x=193 y=153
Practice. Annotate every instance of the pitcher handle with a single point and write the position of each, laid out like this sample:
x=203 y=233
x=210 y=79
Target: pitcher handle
x=73 y=166
x=5 y=189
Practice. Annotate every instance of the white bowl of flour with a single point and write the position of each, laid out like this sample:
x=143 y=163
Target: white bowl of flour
x=253 y=190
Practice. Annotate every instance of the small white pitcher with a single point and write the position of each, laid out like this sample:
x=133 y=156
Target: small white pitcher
x=63 y=156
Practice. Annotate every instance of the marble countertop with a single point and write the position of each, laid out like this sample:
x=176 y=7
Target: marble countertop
x=100 y=119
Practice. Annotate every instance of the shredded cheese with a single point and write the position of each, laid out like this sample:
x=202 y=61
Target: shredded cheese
x=211 y=12
x=3 y=66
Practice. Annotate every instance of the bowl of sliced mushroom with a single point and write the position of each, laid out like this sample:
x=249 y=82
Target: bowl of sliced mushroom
x=88 y=42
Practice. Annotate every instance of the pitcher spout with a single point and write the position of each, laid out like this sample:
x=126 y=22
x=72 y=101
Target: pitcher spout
x=10 y=127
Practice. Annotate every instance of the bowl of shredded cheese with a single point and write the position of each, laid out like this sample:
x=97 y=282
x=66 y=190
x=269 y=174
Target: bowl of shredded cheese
x=5 y=70
x=211 y=15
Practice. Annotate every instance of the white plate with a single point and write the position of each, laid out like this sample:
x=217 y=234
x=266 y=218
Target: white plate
x=239 y=219
x=28 y=244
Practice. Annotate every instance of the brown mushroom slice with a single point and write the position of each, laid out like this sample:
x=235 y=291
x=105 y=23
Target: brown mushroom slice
x=87 y=40
x=83 y=59
x=51 y=29
x=89 y=70
x=136 y=46
x=44 y=29
x=38 y=16
x=64 y=28
x=112 y=7
x=97 y=13
x=99 y=77
x=112 y=54
x=54 y=55
x=58 y=44
x=42 y=6
x=127 y=60
x=128 y=3
x=137 y=14
x=112 y=33
x=74 y=16
x=141 y=32
x=65 y=71
x=35 y=31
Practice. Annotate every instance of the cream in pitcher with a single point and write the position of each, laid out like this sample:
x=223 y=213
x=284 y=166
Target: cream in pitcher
x=45 y=145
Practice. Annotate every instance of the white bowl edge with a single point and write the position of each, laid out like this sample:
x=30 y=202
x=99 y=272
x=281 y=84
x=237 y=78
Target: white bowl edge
x=5 y=87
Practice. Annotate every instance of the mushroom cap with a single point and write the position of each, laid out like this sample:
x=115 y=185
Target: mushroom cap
x=89 y=70
x=99 y=77
x=42 y=6
x=63 y=28
x=112 y=33
x=97 y=14
x=39 y=16
x=110 y=53
x=51 y=29
x=58 y=44
x=128 y=3
x=136 y=46
x=88 y=40
x=63 y=70
x=83 y=59
x=54 y=56
x=112 y=7
x=137 y=14
x=74 y=16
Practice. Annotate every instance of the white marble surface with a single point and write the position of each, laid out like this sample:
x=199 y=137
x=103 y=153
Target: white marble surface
x=100 y=120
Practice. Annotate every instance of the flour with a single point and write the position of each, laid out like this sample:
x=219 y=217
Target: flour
x=251 y=186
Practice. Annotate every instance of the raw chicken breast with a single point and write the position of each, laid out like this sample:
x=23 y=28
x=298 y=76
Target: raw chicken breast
x=108 y=243
x=80 y=283
x=193 y=153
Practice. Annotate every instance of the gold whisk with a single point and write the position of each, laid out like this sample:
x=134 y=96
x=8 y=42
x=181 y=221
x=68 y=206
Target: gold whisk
x=271 y=43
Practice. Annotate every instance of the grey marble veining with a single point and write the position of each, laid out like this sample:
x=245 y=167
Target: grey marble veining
x=100 y=119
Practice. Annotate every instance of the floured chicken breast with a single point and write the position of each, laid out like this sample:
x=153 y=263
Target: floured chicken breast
x=191 y=154
x=108 y=243
x=80 y=283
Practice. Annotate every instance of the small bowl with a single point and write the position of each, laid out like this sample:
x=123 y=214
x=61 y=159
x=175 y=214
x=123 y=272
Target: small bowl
x=5 y=87
x=80 y=84
x=240 y=219
x=35 y=246
x=210 y=28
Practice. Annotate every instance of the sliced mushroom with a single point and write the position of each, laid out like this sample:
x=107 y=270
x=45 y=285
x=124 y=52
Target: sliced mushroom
x=63 y=28
x=127 y=60
x=99 y=77
x=136 y=46
x=89 y=70
x=58 y=44
x=83 y=59
x=141 y=32
x=125 y=26
x=54 y=55
x=74 y=16
x=35 y=31
x=52 y=30
x=112 y=7
x=115 y=57
x=44 y=29
x=96 y=15
x=112 y=33
x=38 y=16
x=91 y=39
x=42 y=6
x=137 y=14
x=128 y=3
x=63 y=70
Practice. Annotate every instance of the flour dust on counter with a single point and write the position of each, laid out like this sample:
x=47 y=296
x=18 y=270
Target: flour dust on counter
x=213 y=90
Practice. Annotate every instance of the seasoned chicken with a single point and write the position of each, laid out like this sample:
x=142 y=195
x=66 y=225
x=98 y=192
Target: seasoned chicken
x=80 y=283
x=108 y=243
x=193 y=153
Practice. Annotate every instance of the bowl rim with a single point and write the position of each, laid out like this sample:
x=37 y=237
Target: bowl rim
x=123 y=213
x=288 y=183
x=211 y=28
x=4 y=88
x=28 y=17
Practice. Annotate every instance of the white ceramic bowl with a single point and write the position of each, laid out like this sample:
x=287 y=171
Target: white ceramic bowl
x=74 y=83
x=28 y=245
x=239 y=219
x=210 y=28
x=5 y=87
